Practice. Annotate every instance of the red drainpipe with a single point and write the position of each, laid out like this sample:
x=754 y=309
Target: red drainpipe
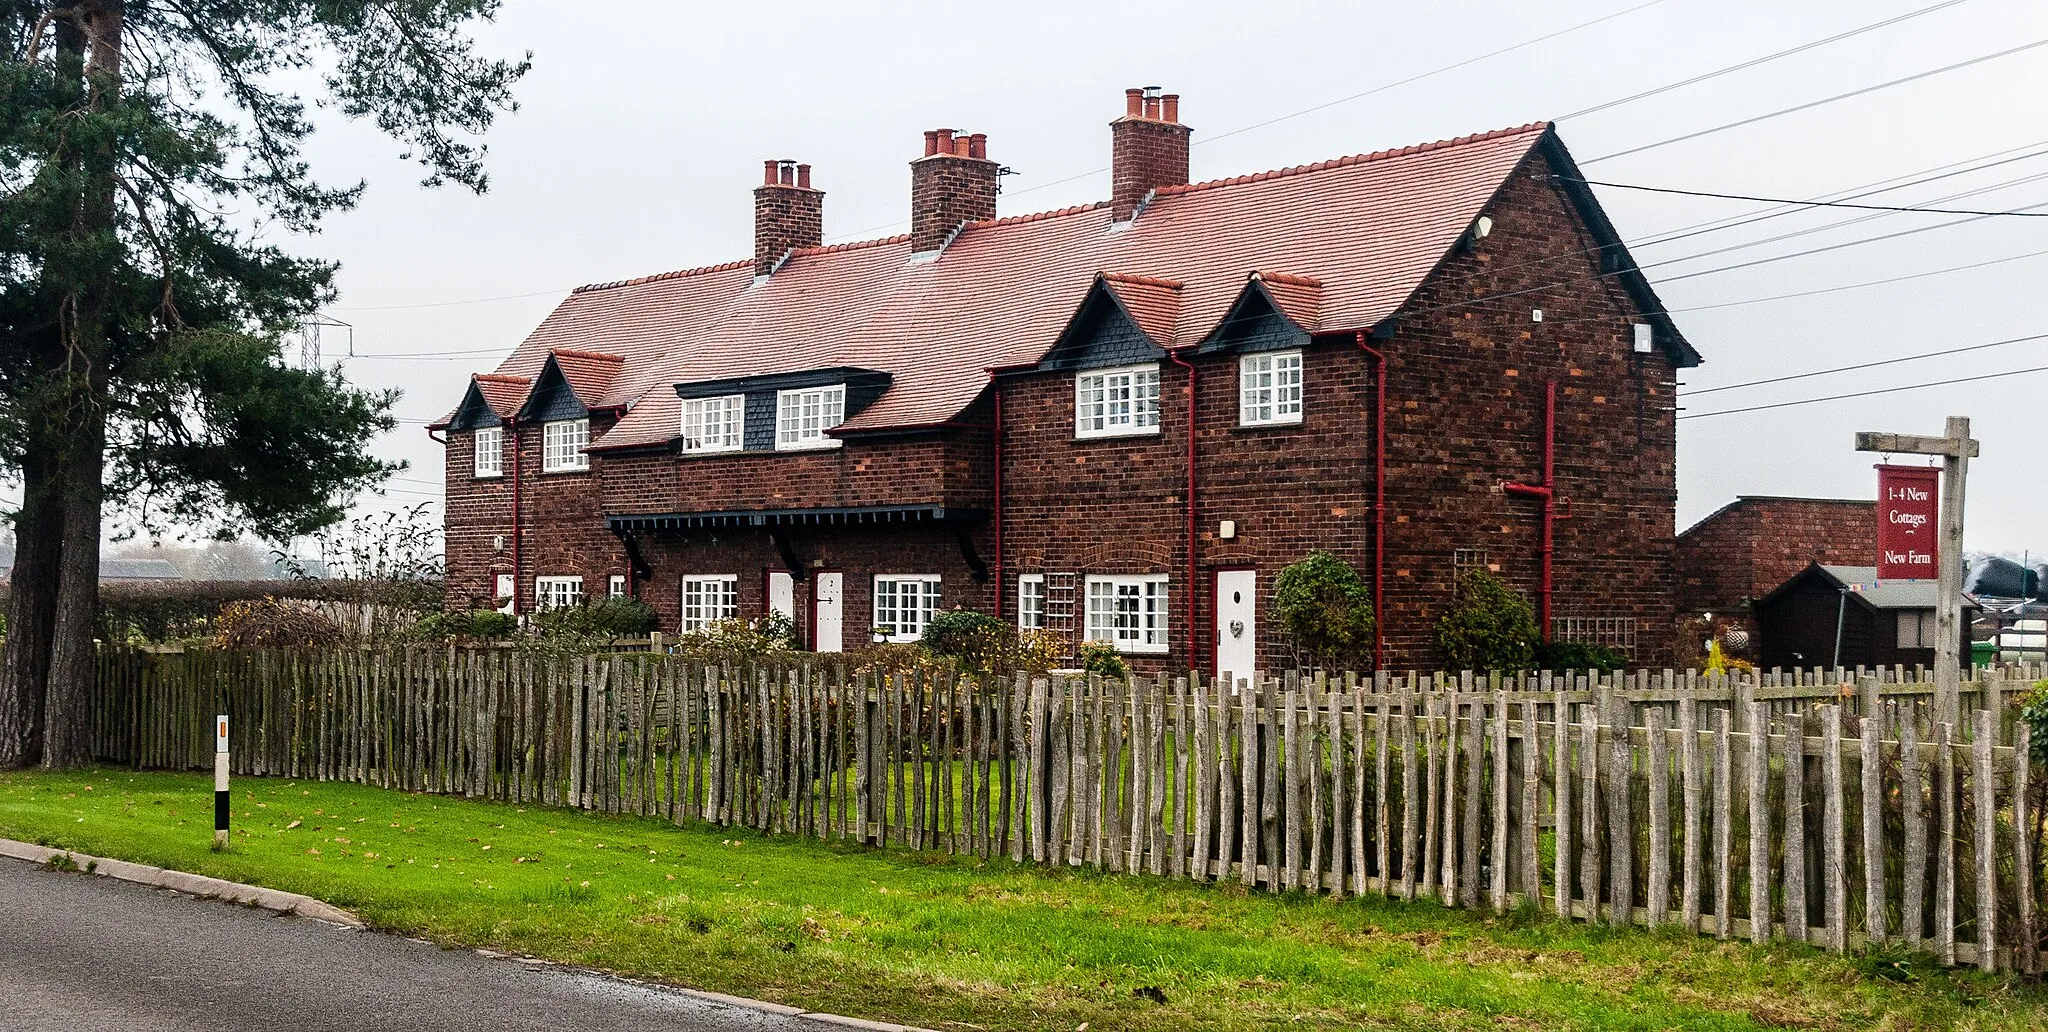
x=1547 y=492
x=1193 y=574
x=1379 y=501
x=518 y=537
x=997 y=523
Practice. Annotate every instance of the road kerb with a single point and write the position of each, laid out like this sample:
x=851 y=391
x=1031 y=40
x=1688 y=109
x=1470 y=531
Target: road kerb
x=189 y=884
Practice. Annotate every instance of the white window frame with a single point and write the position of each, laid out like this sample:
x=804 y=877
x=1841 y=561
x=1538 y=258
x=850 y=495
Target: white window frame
x=615 y=586
x=714 y=424
x=892 y=601
x=1118 y=402
x=1142 y=627
x=1269 y=388
x=799 y=430
x=490 y=453
x=705 y=599
x=1031 y=602
x=557 y=592
x=562 y=443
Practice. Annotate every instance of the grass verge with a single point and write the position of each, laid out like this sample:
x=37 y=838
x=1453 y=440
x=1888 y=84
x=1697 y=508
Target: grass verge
x=959 y=943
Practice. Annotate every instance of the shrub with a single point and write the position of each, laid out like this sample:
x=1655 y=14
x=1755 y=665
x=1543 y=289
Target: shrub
x=973 y=643
x=1579 y=655
x=614 y=617
x=269 y=623
x=2034 y=710
x=465 y=625
x=737 y=641
x=1100 y=657
x=1490 y=626
x=1325 y=609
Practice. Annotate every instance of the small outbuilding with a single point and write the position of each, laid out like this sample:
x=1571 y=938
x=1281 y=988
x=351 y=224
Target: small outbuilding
x=1841 y=616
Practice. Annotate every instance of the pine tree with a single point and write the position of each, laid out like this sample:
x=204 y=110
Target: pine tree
x=149 y=152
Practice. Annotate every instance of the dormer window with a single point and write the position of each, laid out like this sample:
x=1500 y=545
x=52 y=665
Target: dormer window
x=1269 y=388
x=562 y=444
x=1116 y=402
x=802 y=416
x=714 y=424
x=490 y=452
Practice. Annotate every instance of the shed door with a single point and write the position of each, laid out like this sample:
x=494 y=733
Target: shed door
x=1237 y=629
x=830 y=604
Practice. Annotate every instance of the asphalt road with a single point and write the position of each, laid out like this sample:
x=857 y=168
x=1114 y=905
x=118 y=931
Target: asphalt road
x=86 y=954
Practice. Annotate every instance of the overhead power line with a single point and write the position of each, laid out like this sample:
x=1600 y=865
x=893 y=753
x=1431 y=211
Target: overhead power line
x=1866 y=394
x=1753 y=62
x=1866 y=365
x=1808 y=204
x=1811 y=104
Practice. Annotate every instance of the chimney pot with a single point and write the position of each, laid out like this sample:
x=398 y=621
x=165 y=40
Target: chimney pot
x=946 y=194
x=788 y=214
x=1148 y=149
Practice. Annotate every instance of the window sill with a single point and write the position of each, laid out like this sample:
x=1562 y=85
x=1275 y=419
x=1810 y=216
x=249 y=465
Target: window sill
x=826 y=446
x=1137 y=650
x=1278 y=424
x=1118 y=435
x=564 y=471
x=708 y=453
x=487 y=476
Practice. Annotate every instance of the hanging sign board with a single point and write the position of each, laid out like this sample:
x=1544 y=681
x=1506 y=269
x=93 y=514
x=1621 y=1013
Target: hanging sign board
x=1908 y=522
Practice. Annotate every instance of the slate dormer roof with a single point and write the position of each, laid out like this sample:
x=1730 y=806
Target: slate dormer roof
x=1351 y=240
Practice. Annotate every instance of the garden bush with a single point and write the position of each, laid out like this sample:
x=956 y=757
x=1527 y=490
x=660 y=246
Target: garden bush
x=270 y=623
x=1490 y=626
x=1325 y=609
x=1579 y=655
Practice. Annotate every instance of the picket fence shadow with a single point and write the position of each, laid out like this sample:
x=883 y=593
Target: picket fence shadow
x=1835 y=809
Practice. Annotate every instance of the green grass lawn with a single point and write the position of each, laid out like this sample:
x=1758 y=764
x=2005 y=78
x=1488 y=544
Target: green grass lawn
x=958 y=943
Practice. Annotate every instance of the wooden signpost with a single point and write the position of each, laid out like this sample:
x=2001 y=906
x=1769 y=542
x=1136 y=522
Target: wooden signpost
x=1956 y=449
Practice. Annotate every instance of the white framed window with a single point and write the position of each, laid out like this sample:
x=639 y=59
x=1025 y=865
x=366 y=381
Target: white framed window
x=1269 y=388
x=557 y=592
x=707 y=600
x=1128 y=612
x=1116 y=402
x=490 y=452
x=802 y=416
x=615 y=585
x=904 y=603
x=1916 y=629
x=562 y=443
x=1031 y=602
x=714 y=424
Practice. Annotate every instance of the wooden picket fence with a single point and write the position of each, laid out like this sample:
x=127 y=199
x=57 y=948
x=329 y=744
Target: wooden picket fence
x=1834 y=809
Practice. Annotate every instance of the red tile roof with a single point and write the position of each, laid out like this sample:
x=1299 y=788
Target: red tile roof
x=1154 y=304
x=589 y=374
x=1357 y=236
x=504 y=394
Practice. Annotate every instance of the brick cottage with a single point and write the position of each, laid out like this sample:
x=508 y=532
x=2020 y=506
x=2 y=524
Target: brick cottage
x=1117 y=421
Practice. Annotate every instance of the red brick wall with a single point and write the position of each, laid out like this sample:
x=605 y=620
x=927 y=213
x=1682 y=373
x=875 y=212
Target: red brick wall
x=1750 y=547
x=563 y=529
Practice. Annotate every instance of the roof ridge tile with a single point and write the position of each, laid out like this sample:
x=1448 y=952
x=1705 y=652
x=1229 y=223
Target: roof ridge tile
x=1141 y=281
x=851 y=245
x=700 y=270
x=1287 y=279
x=1035 y=216
x=596 y=356
x=1350 y=159
x=501 y=377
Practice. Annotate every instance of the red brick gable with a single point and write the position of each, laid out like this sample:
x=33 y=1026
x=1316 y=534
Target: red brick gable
x=1747 y=548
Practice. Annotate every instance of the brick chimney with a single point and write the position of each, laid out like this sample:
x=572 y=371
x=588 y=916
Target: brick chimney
x=788 y=214
x=954 y=182
x=1148 y=149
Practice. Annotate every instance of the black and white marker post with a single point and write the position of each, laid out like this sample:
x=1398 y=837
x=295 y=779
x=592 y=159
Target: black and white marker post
x=221 y=801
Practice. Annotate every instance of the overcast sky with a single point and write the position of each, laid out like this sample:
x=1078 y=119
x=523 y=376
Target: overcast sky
x=643 y=131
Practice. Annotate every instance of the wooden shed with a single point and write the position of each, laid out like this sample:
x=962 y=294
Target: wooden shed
x=1829 y=616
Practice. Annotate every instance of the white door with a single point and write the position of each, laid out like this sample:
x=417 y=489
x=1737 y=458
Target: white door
x=1237 y=635
x=782 y=594
x=831 y=602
